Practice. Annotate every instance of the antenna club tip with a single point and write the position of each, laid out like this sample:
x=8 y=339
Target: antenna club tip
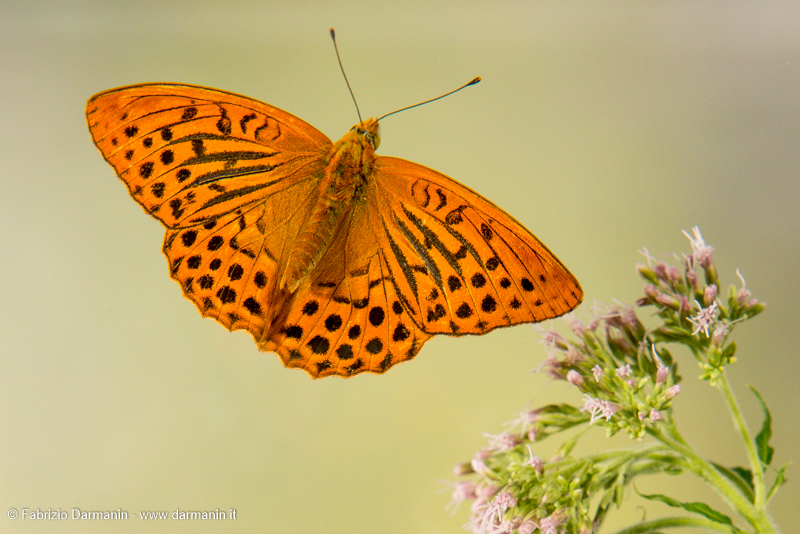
x=333 y=33
x=473 y=82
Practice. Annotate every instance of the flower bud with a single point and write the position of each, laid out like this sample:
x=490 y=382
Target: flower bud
x=479 y=466
x=673 y=275
x=462 y=469
x=661 y=373
x=710 y=295
x=651 y=291
x=574 y=378
x=660 y=271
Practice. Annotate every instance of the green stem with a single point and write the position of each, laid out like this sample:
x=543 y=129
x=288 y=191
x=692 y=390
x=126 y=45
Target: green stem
x=749 y=443
x=705 y=470
x=760 y=519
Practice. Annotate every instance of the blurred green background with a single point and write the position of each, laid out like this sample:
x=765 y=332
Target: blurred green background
x=603 y=127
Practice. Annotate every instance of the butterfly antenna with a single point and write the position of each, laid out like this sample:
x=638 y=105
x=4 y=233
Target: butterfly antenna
x=473 y=82
x=333 y=36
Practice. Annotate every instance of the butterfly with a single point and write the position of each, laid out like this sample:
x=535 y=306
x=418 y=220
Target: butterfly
x=340 y=261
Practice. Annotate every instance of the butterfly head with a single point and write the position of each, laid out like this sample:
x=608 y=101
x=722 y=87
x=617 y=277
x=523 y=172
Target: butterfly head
x=368 y=132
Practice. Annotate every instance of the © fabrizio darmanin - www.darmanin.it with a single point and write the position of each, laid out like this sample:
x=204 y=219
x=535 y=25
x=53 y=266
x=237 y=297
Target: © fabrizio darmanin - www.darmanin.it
x=106 y=515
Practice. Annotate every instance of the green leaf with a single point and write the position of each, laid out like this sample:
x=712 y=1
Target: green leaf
x=780 y=480
x=729 y=351
x=694 y=507
x=741 y=478
x=665 y=356
x=569 y=444
x=746 y=475
x=762 y=439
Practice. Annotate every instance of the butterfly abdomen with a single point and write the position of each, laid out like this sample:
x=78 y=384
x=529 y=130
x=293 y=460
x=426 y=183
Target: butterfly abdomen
x=351 y=162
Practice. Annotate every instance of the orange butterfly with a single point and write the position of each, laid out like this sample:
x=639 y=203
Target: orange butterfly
x=339 y=260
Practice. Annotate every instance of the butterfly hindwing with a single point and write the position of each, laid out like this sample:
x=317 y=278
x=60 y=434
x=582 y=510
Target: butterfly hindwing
x=462 y=264
x=347 y=317
x=230 y=266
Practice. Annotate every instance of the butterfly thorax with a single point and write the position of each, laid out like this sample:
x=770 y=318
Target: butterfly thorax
x=350 y=163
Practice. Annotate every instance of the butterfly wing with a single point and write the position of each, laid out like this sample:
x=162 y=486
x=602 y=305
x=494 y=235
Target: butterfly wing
x=420 y=255
x=223 y=173
x=458 y=263
x=346 y=318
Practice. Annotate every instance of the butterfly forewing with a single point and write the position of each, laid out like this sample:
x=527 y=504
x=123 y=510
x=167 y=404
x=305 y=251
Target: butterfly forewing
x=188 y=153
x=223 y=173
x=461 y=264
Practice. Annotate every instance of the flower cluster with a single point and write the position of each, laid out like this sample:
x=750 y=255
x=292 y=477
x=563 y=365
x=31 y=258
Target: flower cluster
x=628 y=380
x=690 y=306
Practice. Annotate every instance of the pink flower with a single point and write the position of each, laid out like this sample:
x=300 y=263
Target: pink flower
x=550 y=524
x=661 y=374
x=526 y=419
x=599 y=408
x=597 y=371
x=622 y=316
x=553 y=340
x=574 y=378
x=486 y=491
x=651 y=292
x=527 y=527
x=691 y=273
x=572 y=356
x=535 y=462
x=661 y=271
x=624 y=371
x=479 y=466
x=505 y=526
x=685 y=307
x=672 y=391
x=704 y=319
x=710 y=294
x=655 y=415
x=503 y=442
x=498 y=506
x=743 y=294
x=552 y=366
x=673 y=275
x=720 y=333
x=578 y=327
x=488 y=517
x=700 y=251
x=663 y=371
x=668 y=301
x=461 y=492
